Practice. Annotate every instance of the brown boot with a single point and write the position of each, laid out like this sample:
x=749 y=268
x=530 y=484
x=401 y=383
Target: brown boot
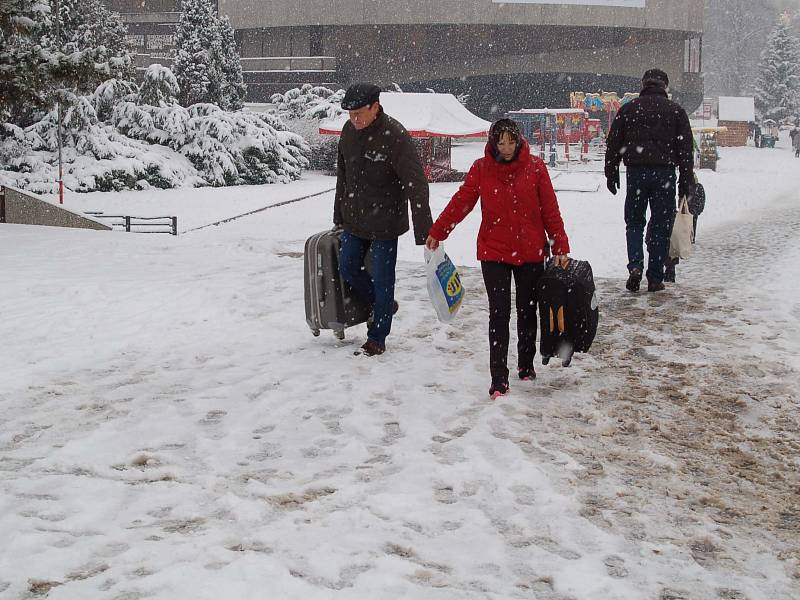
x=371 y=348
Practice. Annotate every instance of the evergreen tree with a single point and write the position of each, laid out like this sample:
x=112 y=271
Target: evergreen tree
x=93 y=41
x=778 y=86
x=24 y=60
x=233 y=87
x=159 y=88
x=207 y=64
x=197 y=41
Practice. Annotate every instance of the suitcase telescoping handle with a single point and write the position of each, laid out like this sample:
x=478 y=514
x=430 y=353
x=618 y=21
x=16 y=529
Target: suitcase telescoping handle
x=320 y=280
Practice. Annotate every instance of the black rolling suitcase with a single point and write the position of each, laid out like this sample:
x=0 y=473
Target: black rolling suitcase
x=330 y=302
x=568 y=312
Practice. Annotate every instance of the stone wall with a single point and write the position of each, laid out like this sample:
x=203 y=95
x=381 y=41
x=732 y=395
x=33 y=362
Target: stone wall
x=24 y=208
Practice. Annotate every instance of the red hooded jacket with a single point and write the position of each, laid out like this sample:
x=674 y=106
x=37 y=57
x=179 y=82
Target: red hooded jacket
x=518 y=205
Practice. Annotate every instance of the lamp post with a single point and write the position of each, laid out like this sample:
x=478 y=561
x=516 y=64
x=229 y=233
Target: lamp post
x=58 y=110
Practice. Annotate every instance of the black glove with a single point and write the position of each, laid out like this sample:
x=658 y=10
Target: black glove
x=685 y=190
x=612 y=182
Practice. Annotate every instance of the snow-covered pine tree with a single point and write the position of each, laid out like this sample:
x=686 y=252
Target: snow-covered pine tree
x=24 y=61
x=233 y=87
x=159 y=88
x=778 y=85
x=198 y=43
x=111 y=92
x=93 y=41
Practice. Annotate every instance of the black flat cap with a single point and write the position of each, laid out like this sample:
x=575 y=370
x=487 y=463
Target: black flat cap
x=655 y=75
x=360 y=94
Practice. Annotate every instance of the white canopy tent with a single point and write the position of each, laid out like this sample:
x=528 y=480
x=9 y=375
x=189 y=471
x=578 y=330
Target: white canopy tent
x=423 y=115
x=433 y=120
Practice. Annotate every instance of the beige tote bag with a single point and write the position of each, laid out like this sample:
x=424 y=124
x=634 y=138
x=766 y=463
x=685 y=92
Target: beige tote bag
x=680 y=242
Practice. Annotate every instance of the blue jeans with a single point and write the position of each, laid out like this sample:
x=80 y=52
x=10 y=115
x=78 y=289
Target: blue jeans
x=375 y=286
x=653 y=186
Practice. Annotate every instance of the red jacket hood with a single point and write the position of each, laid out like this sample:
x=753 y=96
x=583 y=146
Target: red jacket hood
x=519 y=209
x=523 y=154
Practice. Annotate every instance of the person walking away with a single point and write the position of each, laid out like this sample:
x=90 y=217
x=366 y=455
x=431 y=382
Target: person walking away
x=652 y=136
x=519 y=211
x=378 y=174
x=796 y=141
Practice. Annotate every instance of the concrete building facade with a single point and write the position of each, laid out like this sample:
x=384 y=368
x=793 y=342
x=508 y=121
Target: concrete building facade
x=505 y=55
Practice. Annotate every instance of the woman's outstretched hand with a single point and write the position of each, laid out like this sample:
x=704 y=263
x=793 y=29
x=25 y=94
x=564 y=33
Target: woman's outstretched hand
x=561 y=260
x=431 y=243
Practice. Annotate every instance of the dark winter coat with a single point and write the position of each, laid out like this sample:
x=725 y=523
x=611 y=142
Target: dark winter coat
x=378 y=174
x=651 y=131
x=518 y=206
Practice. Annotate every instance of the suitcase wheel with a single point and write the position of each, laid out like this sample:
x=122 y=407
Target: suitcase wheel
x=339 y=333
x=315 y=332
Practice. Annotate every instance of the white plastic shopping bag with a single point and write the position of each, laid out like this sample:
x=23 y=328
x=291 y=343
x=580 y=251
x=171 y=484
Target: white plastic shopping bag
x=444 y=284
x=680 y=242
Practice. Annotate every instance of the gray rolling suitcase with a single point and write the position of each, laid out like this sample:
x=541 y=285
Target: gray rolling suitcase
x=330 y=302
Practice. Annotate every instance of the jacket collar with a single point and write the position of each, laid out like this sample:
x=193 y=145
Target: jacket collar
x=379 y=122
x=654 y=89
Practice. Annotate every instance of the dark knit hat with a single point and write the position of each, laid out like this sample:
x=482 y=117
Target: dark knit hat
x=504 y=126
x=655 y=76
x=360 y=94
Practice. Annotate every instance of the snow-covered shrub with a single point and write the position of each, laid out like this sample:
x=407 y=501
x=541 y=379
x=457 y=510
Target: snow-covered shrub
x=242 y=148
x=226 y=148
x=324 y=148
x=159 y=88
x=302 y=109
x=95 y=156
x=308 y=102
x=149 y=146
x=111 y=92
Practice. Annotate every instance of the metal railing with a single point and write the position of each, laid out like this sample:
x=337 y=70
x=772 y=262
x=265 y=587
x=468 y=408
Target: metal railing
x=133 y=224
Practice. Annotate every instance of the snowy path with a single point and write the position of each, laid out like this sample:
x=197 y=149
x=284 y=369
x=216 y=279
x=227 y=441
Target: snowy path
x=199 y=443
x=169 y=428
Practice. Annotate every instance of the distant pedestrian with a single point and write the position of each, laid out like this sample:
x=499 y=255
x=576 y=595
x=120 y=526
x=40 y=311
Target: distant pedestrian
x=795 y=135
x=652 y=136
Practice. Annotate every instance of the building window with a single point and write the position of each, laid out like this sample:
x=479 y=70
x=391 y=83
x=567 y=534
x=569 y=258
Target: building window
x=316 y=46
x=692 y=55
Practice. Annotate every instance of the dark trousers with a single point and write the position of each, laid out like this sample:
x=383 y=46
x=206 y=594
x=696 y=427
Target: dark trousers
x=654 y=187
x=377 y=286
x=497 y=278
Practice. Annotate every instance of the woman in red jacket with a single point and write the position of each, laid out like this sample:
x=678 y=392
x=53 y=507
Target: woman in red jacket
x=519 y=213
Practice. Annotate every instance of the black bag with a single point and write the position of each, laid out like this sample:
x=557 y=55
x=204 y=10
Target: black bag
x=568 y=313
x=330 y=301
x=697 y=201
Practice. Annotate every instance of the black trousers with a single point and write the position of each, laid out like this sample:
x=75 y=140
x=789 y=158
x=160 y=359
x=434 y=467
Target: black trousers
x=497 y=278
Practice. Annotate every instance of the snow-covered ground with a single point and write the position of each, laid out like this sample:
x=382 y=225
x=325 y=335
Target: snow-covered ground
x=171 y=429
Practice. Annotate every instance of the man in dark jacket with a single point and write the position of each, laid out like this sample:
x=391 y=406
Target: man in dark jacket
x=652 y=136
x=378 y=174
